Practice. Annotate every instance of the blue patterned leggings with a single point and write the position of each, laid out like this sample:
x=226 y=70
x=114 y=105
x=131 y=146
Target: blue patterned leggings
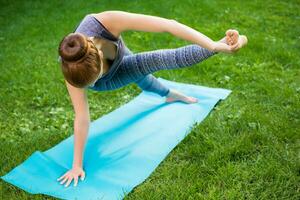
x=137 y=68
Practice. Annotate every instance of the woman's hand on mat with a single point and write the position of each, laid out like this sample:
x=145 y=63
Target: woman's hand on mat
x=73 y=173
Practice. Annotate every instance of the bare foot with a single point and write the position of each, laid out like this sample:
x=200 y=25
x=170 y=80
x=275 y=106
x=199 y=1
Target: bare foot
x=174 y=95
x=232 y=36
x=242 y=41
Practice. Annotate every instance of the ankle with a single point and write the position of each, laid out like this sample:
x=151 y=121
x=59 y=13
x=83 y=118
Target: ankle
x=169 y=93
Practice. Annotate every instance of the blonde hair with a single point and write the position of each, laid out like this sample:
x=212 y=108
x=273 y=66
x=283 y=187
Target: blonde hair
x=80 y=60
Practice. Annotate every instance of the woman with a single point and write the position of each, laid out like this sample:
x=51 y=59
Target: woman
x=96 y=57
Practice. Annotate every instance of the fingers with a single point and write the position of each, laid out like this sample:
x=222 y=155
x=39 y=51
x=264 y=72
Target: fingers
x=82 y=175
x=66 y=177
x=235 y=36
x=62 y=176
x=64 y=180
x=236 y=32
x=229 y=32
x=232 y=36
x=70 y=175
x=235 y=46
x=236 y=49
x=229 y=49
x=228 y=40
x=75 y=181
x=69 y=181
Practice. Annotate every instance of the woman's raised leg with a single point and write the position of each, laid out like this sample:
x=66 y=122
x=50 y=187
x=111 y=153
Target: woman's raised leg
x=151 y=61
x=135 y=66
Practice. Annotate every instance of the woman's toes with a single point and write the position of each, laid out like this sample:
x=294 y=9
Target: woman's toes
x=192 y=100
x=183 y=99
x=175 y=95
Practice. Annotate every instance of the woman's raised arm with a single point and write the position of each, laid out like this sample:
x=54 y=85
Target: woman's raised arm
x=119 y=21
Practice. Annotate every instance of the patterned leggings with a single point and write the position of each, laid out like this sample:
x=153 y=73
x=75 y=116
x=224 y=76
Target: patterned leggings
x=137 y=68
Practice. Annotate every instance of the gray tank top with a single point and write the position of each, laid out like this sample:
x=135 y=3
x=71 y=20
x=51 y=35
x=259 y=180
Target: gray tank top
x=91 y=27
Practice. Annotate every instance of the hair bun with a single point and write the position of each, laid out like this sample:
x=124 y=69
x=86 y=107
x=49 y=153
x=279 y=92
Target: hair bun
x=73 y=47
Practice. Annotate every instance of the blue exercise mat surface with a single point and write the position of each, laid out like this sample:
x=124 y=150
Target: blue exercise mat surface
x=123 y=147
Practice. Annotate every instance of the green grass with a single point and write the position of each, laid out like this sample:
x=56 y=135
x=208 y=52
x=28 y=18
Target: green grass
x=247 y=148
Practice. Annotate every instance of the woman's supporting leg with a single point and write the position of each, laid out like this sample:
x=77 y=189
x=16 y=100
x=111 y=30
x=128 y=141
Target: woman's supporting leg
x=136 y=66
x=151 y=84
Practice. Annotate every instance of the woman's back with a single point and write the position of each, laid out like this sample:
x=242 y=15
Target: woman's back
x=113 y=46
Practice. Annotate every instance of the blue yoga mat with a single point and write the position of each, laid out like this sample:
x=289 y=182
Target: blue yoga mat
x=123 y=147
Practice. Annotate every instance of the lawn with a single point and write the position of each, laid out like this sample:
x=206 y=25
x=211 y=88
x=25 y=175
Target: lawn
x=248 y=146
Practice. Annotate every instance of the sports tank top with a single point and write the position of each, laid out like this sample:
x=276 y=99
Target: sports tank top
x=92 y=27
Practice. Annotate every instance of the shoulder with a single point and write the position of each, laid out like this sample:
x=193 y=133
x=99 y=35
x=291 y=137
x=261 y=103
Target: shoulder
x=109 y=20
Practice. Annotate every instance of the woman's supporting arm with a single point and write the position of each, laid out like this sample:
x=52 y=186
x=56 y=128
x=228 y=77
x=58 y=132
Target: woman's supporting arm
x=81 y=128
x=81 y=122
